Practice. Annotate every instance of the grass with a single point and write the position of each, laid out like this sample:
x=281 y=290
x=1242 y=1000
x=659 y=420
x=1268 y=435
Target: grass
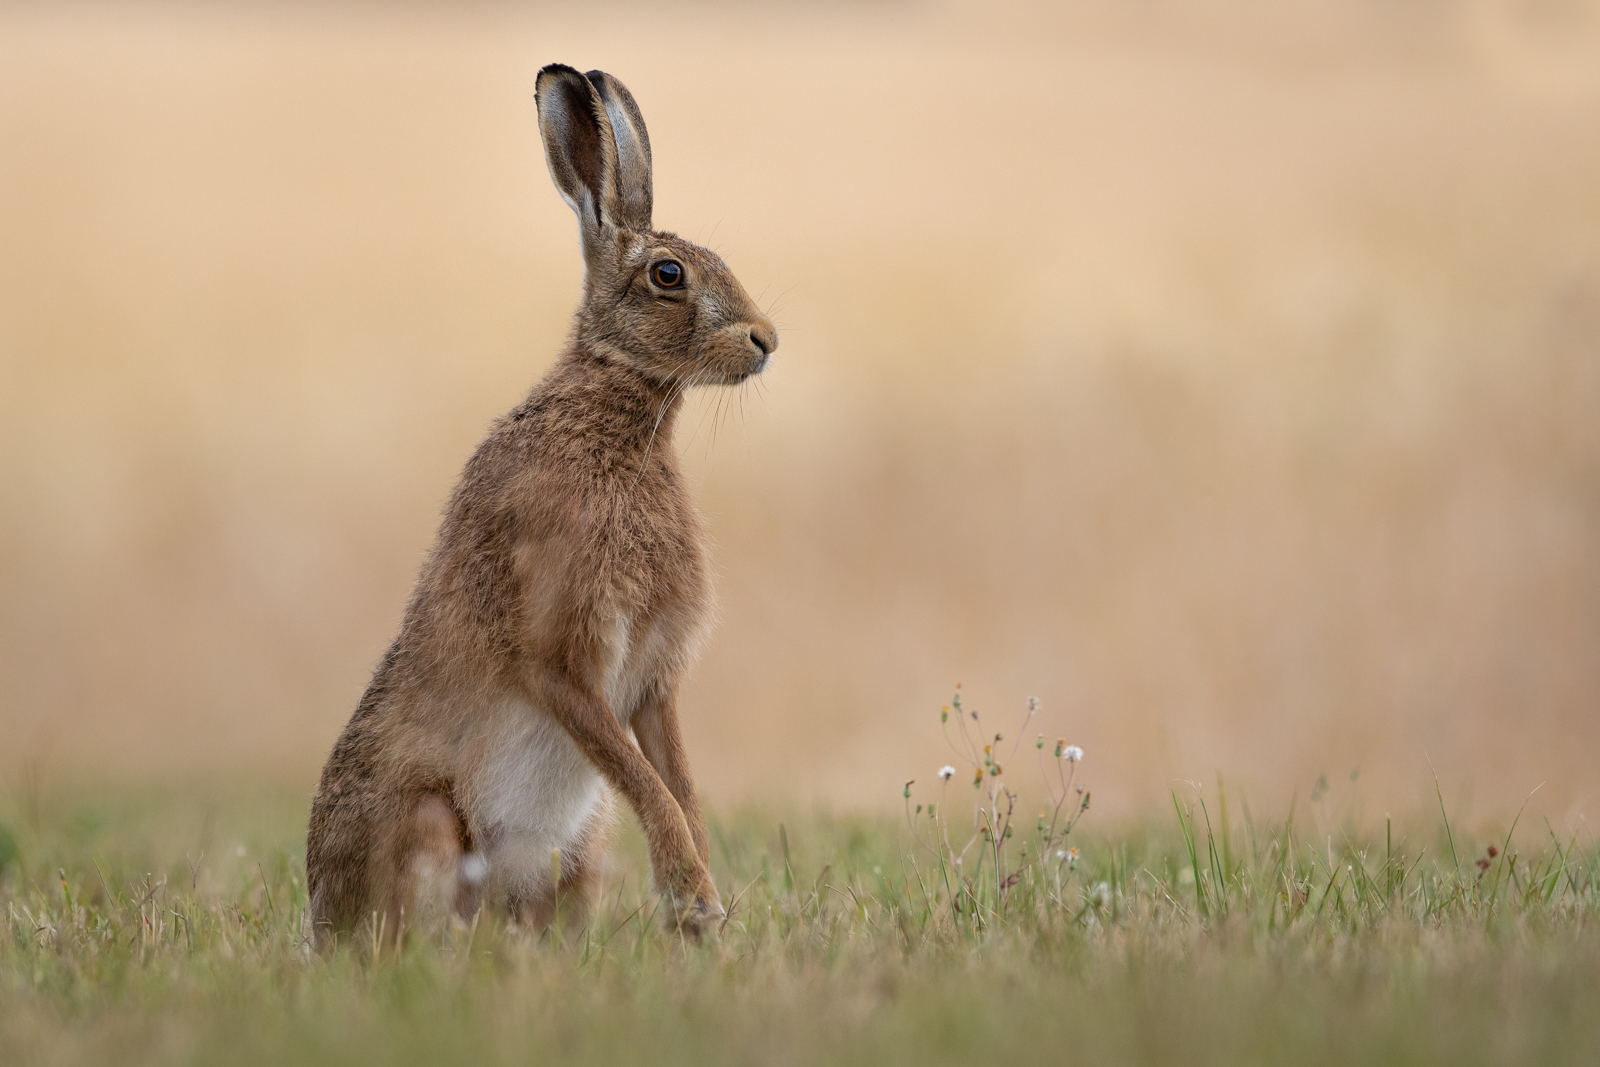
x=165 y=930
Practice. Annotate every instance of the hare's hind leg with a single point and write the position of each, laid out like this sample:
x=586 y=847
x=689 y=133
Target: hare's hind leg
x=433 y=873
x=339 y=868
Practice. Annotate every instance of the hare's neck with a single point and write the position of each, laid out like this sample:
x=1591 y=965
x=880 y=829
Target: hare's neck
x=630 y=410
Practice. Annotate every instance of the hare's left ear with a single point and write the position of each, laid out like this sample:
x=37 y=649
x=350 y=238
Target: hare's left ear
x=603 y=174
x=633 y=151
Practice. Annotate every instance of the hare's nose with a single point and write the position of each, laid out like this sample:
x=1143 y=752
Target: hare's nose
x=765 y=338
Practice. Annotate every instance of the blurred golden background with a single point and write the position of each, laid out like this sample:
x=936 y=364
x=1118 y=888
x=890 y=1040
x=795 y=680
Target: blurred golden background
x=1228 y=376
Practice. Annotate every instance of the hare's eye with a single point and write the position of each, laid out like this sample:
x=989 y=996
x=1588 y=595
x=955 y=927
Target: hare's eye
x=667 y=274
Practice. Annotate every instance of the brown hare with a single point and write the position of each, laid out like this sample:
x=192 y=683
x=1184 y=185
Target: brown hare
x=539 y=657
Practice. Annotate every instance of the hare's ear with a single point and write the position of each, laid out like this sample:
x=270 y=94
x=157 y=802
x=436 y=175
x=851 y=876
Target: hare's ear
x=633 y=151
x=580 y=150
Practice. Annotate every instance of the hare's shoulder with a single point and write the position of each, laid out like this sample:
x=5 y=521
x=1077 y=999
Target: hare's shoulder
x=573 y=510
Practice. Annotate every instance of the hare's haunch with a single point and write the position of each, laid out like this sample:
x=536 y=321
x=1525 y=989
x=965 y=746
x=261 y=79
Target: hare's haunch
x=539 y=659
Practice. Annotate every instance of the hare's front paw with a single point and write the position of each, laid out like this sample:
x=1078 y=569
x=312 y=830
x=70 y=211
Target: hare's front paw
x=696 y=917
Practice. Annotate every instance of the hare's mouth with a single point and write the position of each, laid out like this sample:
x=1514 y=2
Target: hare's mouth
x=743 y=376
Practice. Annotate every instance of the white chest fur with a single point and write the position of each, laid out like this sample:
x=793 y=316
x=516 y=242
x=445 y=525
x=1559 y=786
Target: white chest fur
x=534 y=791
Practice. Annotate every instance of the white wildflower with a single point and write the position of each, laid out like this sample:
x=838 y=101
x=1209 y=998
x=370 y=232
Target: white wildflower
x=1072 y=753
x=1100 y=895
x=946 y=773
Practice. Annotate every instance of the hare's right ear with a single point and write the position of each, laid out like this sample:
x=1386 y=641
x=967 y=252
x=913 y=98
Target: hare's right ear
x=633 y=152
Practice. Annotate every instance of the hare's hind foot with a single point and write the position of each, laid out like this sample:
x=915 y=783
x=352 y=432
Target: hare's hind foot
x=439 y=877
x=382 y=881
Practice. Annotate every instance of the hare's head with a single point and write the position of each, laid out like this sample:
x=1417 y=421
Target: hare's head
x=662 y=305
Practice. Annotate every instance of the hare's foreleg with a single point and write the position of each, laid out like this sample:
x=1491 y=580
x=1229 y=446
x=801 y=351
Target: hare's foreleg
x=674 y=860
x=655 y=724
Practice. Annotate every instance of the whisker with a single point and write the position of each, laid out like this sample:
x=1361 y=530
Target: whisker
x=761 y=394
x=722 y=413
x=744 y=429
x=774 y=309
x=699 y=425
x=677 y=387
x=716 y=420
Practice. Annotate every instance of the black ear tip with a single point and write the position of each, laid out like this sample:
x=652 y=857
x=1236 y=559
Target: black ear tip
x=555 y=73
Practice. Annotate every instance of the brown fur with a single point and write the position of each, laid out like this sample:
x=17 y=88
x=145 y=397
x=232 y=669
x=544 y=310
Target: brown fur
x=563 y=599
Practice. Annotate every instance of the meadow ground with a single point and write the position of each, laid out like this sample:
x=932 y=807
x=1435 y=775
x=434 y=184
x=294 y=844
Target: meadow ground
x=148 y=929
